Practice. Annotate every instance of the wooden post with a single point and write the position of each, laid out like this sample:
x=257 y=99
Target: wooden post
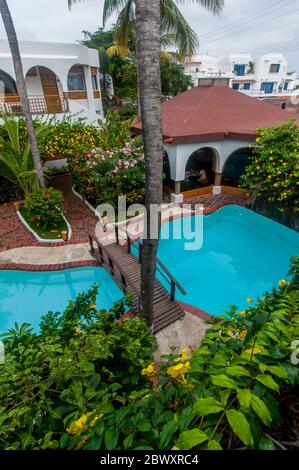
x=140 y=252
x=172 y=291
x=116 y=234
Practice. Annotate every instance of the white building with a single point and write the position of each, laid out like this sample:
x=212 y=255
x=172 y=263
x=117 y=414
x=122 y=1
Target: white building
x=263 y=76
x=60 y=78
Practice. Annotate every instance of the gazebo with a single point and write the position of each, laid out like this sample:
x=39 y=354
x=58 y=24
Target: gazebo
x=208 y=133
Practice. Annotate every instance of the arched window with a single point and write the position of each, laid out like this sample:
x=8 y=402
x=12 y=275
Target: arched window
x=235 y=166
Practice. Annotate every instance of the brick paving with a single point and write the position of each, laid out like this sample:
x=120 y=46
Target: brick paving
x=13 y=234
x=212 y=202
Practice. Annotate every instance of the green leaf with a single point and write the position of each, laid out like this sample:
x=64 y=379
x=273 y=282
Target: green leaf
x=268 y=382
x=278 y=371
x=240 y=426
x=111 y=438
x=214 y=445
x=260 y=409
x=190 y=439
x=223 y=381
x=244 y=397
x=166 y=434
x=186 y=418
x=224 y=395
x=237 y=371
x=128 y=441
x=207 y=406
x=266 y=444
x=63 y=440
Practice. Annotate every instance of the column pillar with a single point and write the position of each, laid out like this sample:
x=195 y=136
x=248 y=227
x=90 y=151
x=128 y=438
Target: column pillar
x=89 y=89
x=217 y=185
x=177 y=197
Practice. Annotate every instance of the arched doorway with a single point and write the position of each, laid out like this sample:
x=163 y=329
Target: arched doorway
x=45 y=91
x=200 y=169
x=8 y=92
x=234 y=166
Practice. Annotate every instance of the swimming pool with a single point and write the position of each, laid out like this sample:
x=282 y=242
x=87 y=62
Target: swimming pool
x=26 y=295
x=243 y=255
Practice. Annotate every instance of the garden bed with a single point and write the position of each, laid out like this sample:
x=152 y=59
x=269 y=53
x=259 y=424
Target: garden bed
x=42 y=234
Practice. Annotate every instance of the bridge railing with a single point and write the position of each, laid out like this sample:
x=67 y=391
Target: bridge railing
x=160 y=267
x=102 y=255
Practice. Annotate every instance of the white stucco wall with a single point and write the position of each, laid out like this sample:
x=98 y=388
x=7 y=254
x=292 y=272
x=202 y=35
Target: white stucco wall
x=58 y=57
x=179 y=154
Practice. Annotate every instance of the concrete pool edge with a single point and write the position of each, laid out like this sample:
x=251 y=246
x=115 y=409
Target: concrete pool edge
x=47 y=267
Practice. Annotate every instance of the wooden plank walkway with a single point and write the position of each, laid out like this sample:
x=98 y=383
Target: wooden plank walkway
x=125 y=268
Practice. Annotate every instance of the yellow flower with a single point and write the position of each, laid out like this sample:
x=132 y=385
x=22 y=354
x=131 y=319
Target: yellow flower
x=243 y=334
x=249 y=300
x=257 y=140
x=149 y=371
x=92 y=307
x=76 y=427
x=282 y=282
x=178 y=370
x=78 y=331
x=242 y=313
x=184 y=355
x=253 y=351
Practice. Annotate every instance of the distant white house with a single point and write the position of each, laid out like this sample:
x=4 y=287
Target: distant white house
x=61 y=79
x=263 y=76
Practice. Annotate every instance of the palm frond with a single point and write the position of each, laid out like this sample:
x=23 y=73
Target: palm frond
x=112 y=6
x=72 y=2
x=214 y=6
x=125 y=25
x=118 y=50
x=173 y=22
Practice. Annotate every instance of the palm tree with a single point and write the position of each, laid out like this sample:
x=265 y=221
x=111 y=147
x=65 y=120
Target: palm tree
x=21 y=86
x=175 y=30
x=148 y=26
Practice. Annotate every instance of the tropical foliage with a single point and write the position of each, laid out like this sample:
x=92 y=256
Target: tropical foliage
x=16 y=161
x=273 y=174
x=88 y=381
x=81 y=360
x=44 y=207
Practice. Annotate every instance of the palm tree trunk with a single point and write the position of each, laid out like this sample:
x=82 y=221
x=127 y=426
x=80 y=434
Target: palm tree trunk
x=21 y=86
x=149 y=85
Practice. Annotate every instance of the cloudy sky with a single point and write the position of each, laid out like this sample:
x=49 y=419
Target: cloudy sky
x=255 y=26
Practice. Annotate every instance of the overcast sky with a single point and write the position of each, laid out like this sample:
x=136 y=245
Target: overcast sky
x=254 y=26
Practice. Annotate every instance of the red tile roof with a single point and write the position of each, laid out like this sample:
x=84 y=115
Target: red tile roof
x=214 y=113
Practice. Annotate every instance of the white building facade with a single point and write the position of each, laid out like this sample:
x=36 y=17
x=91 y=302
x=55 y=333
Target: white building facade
x=61 y=79
x=263 y=76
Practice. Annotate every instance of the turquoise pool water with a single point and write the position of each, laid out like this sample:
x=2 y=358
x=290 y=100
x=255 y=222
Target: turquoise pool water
x=26 y=295
x=243 y=254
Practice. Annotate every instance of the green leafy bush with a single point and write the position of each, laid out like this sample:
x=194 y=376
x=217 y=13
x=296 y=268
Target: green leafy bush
x=82 y=360
x=273 y=174
x=45 y=207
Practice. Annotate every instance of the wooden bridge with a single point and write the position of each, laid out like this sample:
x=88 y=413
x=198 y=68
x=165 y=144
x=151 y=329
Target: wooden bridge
x=125 y=267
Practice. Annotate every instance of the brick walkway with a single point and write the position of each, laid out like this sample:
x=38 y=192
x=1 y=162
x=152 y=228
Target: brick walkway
x=13 y=234
x=213 y=202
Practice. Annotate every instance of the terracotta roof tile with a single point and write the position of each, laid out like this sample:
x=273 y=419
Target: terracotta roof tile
x=214 y=113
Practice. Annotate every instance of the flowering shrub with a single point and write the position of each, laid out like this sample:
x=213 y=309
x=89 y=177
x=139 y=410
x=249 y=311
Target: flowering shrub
x=45 y=207
x=101 y=175
x=273 y=174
